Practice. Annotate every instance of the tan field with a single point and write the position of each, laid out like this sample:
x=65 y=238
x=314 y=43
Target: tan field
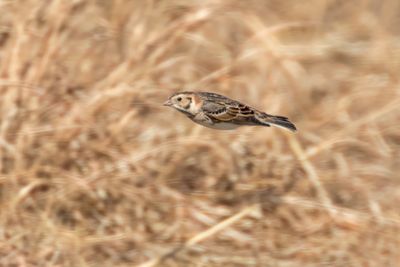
x=94 y=171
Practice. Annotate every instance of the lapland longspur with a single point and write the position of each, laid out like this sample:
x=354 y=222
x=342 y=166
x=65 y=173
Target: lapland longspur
x=220 y=112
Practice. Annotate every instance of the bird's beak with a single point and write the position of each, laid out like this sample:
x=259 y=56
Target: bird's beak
x=167 y=103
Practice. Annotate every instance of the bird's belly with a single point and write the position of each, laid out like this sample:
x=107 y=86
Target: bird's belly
x=219 y=126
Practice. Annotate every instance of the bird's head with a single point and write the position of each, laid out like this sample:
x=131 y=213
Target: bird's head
x=186 y=102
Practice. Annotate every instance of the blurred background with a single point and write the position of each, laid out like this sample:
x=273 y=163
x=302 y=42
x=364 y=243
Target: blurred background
x=94 y=171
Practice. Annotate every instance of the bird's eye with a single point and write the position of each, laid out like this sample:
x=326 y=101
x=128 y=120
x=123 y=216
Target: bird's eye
x=179 y=99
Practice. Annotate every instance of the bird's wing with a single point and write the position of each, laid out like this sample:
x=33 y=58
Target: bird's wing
x=222 y=109
x=227 y=111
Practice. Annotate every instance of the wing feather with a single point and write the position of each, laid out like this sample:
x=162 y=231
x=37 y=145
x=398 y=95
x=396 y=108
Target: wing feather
x=222 y=111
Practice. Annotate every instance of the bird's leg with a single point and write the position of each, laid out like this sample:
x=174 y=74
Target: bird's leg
x=201 y=117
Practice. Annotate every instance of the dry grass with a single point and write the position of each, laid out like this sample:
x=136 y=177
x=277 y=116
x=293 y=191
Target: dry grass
x=95 y=172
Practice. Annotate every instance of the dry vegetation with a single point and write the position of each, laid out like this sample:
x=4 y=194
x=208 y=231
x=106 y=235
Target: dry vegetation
x=95 y=172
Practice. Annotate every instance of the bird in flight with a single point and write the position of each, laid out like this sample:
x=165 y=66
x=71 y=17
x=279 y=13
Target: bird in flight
x=220 y=112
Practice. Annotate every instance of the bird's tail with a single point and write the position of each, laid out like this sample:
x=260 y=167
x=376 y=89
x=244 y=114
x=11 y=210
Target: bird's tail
x=278 y=121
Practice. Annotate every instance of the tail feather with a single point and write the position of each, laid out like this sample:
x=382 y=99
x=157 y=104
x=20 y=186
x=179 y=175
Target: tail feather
x=278 y=121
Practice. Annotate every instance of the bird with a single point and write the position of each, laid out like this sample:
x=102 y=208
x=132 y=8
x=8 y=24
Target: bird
x=222 y=113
